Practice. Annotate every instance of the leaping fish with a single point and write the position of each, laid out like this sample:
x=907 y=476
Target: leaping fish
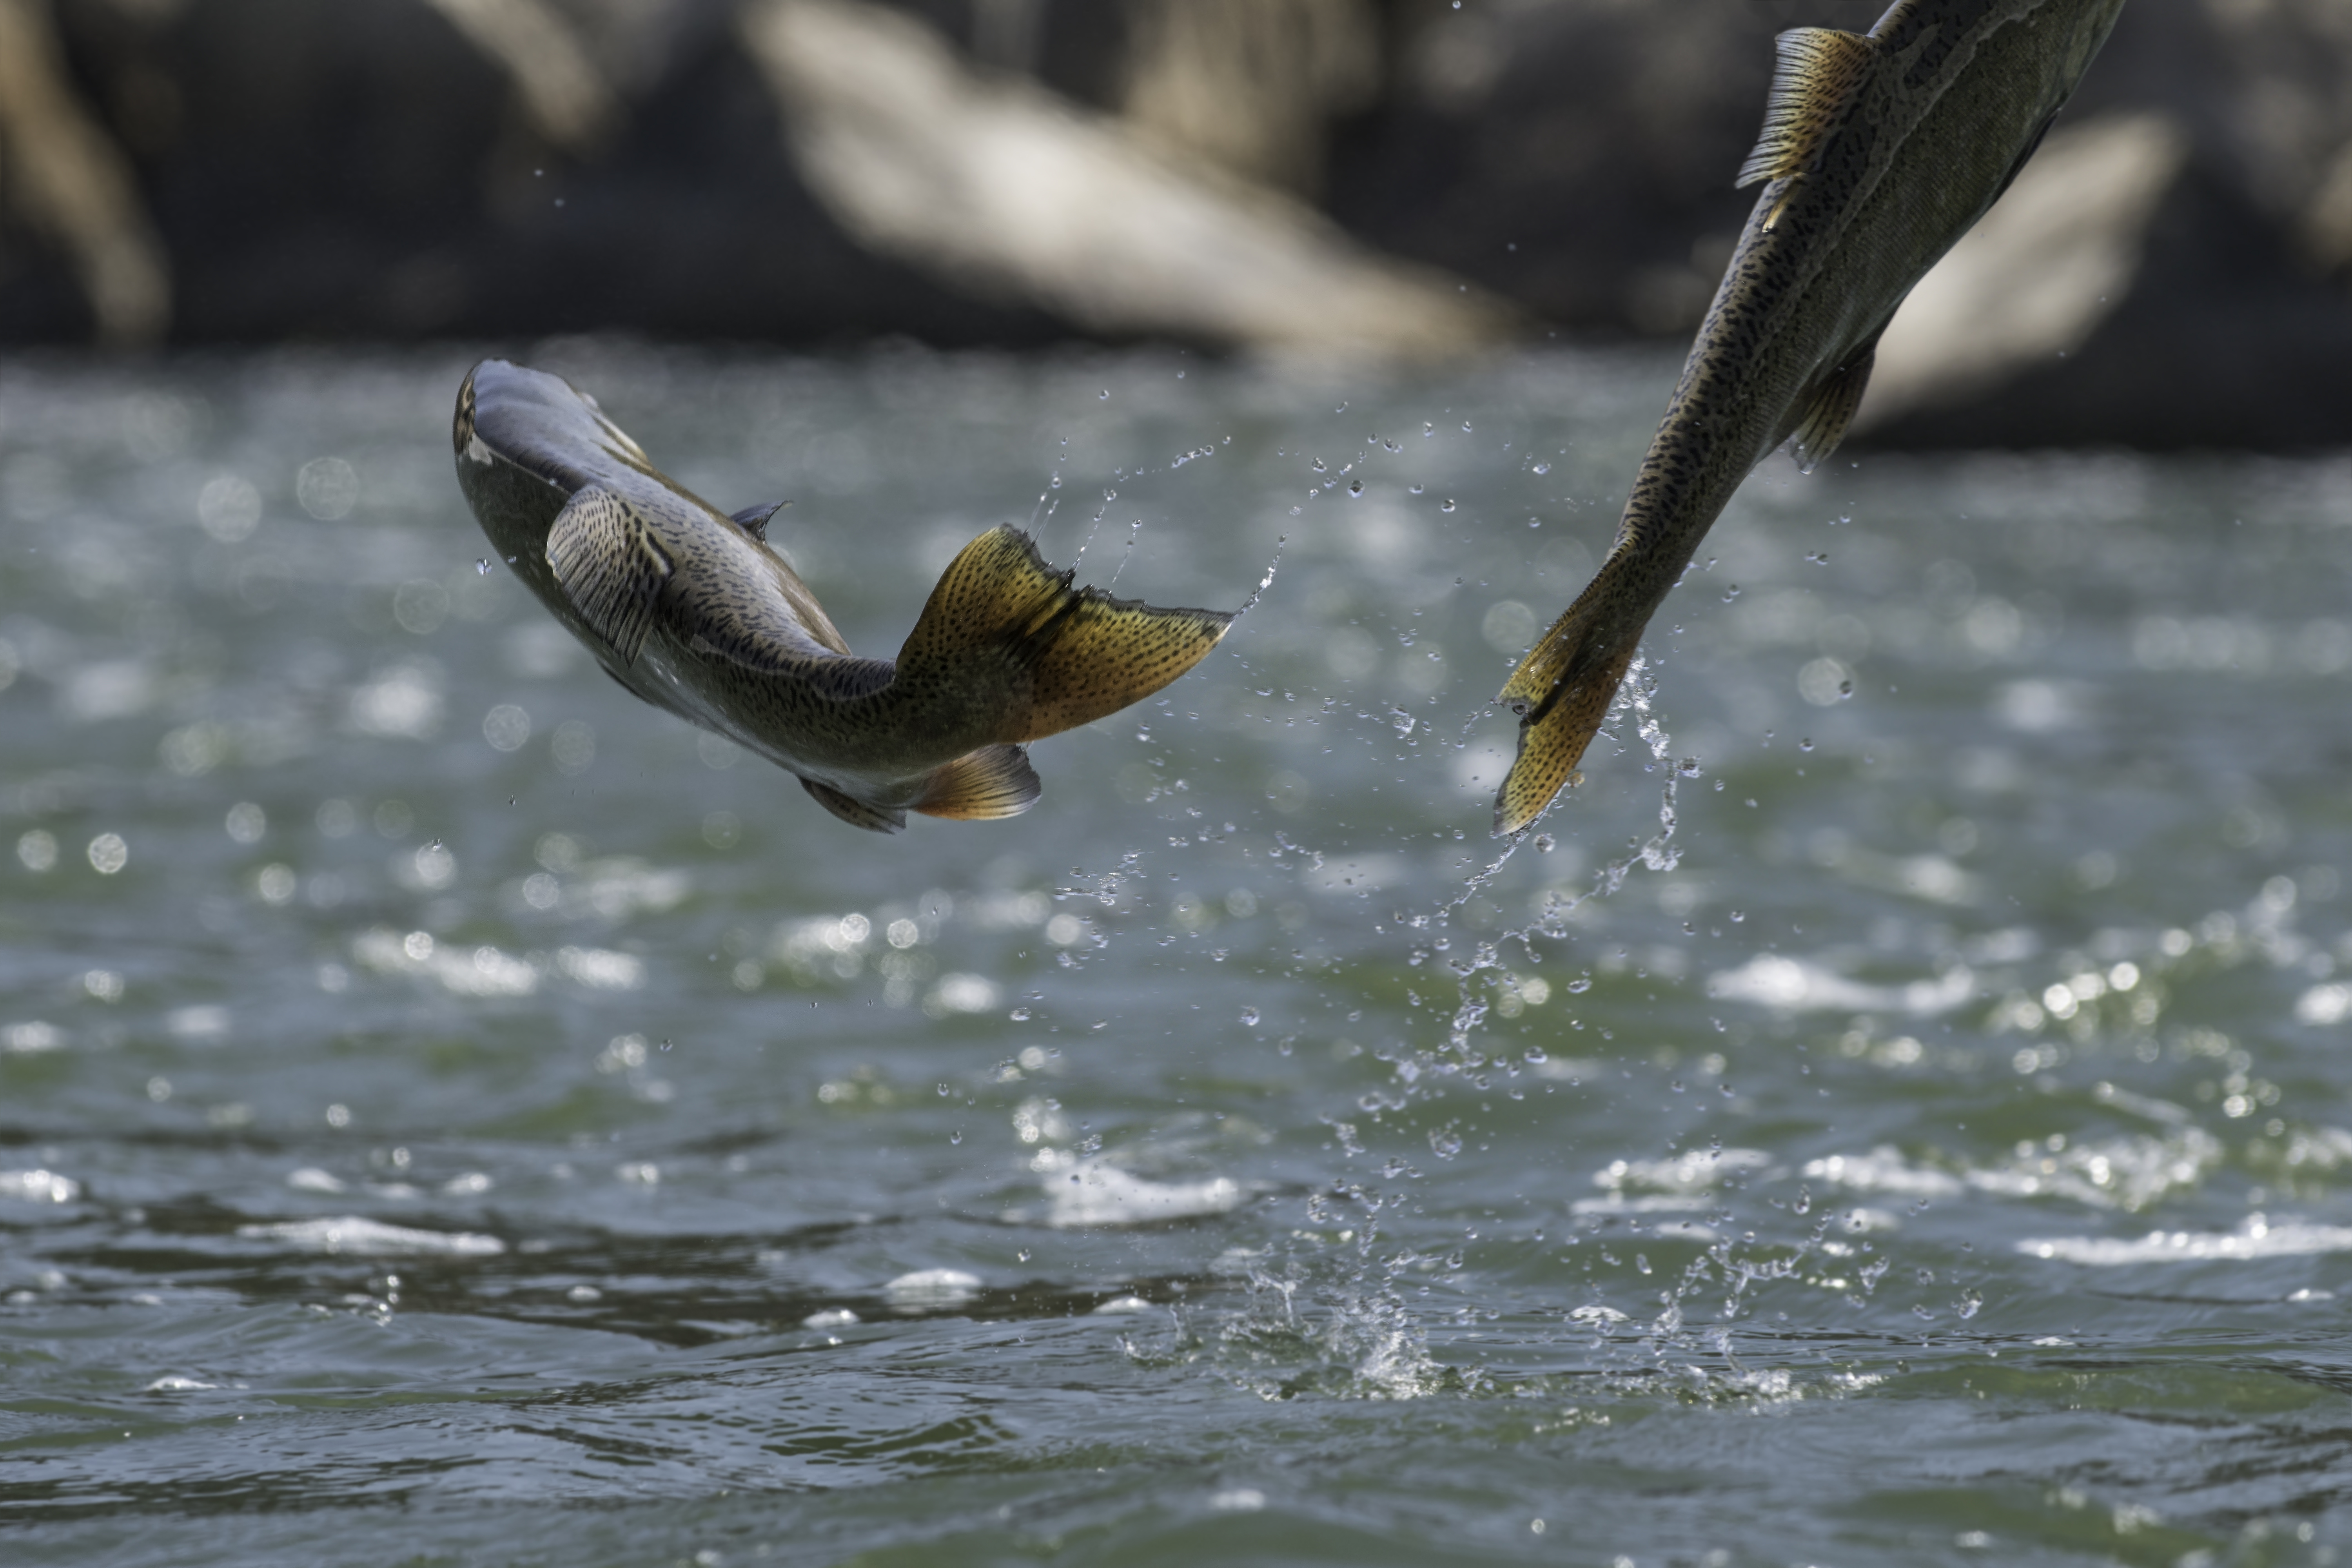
x=1879 y=151
x=689 y=609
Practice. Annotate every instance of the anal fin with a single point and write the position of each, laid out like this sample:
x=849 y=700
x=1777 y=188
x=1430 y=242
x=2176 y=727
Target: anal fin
x=611 y=566
x=855 y=812
x=1816 y=72
x=995 y=780
x=1831 y=409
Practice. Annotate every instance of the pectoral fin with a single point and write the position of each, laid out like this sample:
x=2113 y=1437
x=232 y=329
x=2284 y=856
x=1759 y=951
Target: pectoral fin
x=611 y=566
x=995 y=781
x=1831 y=409
x=1817 y=70
x=855 y=812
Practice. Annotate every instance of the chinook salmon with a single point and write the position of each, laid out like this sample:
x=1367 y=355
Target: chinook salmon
x=1879 y=151
x=689 y=609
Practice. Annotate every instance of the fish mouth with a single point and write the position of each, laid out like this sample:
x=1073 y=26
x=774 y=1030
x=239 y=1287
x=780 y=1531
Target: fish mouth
x=461 y=427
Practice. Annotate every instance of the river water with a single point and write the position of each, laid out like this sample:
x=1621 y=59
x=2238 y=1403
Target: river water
x=450 y=1113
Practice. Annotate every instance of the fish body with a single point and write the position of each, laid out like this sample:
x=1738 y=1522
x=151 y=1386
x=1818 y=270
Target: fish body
x=1879 y=151
x=689 y=609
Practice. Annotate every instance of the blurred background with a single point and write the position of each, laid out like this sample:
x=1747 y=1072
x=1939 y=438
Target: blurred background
x=1414 y=179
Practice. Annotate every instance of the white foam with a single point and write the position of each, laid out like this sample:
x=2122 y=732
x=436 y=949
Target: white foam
x=38 y=1186
x=1883 y=1170
x=1097 y=1193
x=1797 y=985
x=359 y=1237
x=928 y=1289
x=2257 y=1237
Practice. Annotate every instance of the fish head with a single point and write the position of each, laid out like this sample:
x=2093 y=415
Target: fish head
x=538 y=422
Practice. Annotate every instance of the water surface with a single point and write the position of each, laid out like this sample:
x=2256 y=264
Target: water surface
x=451 y=1112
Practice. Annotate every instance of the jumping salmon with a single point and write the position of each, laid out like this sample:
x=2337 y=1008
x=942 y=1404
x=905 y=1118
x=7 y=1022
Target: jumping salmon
x=1880 y=151
x=689 y=609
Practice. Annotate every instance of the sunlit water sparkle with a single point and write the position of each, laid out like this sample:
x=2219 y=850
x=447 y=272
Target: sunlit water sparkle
x=1893 y=1110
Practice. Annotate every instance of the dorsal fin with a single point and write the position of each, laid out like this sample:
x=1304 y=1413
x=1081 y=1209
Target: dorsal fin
x=611 y=566
x=1830 y=410
x=995 y=780
x=855 y=812
x=753 y=519
x=1818 y=68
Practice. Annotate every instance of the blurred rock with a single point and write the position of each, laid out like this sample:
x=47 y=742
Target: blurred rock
x=507 y=168
x=2038 y=275
x=1578 y=155
x=2121 y=292
x=992 y=181
x=1251 y=84
x=559 y=87
x=65 y=180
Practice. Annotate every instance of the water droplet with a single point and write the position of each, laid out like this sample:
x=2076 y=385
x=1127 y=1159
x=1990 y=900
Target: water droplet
x=957 y=1137
x=1249 y=1016
x=1543 y=468
x=1545 y=843
x=1355 y=486
x=1448 y=506
x=1737 y=916
x=1845 y=689
x=1019 y=1014
x=483 y=567
x=1412 y=489
x=1024 y=1253
x=1466 y=427
x=1806 y=744
x=1105 y=395
x=1731 y=593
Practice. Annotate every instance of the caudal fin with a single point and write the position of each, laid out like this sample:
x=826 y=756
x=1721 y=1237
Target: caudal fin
x=1562 y=692
x=1003 y=627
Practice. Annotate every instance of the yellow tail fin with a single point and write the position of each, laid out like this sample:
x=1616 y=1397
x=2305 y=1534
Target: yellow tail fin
x=1062 y=657
x=1562 y=692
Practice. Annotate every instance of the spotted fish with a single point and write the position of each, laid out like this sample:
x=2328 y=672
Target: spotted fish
x=1879 y=151
x=689 y=609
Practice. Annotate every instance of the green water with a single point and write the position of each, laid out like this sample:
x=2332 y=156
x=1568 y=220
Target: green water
x=448 y=1114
